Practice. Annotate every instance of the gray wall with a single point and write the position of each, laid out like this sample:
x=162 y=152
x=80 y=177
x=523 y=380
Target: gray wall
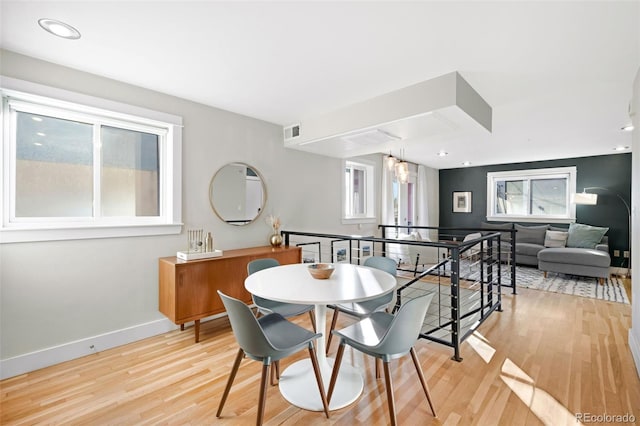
x=59 y=292
x=608 y=171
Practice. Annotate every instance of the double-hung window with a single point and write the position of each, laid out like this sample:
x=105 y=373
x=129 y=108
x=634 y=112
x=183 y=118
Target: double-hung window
x=358 y=192
x=537 y=195
x=76 y=171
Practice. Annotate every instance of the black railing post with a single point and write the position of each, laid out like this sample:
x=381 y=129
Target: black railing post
x=490 y=268
x=499 y=309
x=513 y=262
x=455 y=303
x=384 y=244
x=482 y=281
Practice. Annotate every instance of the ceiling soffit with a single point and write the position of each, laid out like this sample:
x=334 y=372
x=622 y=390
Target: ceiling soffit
x=443 y=107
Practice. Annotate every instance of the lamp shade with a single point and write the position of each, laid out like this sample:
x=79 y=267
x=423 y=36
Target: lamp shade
x=585 y=198
x=390 y=161
x=402 y=171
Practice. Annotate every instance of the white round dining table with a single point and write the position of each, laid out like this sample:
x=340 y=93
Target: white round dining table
x=294 y=284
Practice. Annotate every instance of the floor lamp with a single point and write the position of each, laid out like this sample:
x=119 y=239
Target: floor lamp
x=586 y=198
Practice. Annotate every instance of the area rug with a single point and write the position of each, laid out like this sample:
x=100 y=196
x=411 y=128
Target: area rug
x=529 y=277
x=612 y=291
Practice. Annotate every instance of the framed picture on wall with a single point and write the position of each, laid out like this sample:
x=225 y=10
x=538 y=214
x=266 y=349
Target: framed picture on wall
x=310 y=252
x=365 y=250
x=341 y=251
x=462 y=202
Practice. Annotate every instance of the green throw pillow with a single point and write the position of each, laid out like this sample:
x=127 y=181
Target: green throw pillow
x=585 y=236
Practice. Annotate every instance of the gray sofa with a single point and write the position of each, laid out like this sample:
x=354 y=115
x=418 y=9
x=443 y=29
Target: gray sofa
x=578 y=250
x=575 y=261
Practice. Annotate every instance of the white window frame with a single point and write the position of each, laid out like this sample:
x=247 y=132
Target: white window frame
x=35 y=98
x=549 y=173
x=369 y=169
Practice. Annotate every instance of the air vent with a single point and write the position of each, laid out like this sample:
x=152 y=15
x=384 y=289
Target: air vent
x=370 y=137
x=291 y=132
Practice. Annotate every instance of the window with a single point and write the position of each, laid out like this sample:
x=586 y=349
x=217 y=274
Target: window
x=358 y=200
x=404 y=200
x=72 y=170
x=531 y=195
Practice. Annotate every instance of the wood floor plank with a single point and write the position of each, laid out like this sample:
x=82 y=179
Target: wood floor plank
x=546 y=356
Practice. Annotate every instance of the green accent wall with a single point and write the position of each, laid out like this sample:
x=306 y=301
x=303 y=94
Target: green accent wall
x=609 y=171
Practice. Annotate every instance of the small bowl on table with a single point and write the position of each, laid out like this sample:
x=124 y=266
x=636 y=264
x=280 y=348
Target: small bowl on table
x=321 y=271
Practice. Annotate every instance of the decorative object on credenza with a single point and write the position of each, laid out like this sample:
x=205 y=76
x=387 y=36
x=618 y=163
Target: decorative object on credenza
x=208 y=243
x=198 y=246
x=275 y=239
x=462 y=202
x=194 y=241
x=591 y=199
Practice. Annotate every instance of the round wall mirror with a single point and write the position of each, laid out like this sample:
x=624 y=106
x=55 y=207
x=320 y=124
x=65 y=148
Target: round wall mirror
x=237 y=194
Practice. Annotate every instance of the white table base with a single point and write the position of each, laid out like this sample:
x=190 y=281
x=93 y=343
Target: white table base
x=298 y=386
x=298 y=383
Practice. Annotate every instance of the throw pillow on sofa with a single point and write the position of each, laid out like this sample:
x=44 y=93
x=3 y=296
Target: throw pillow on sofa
x=504 y=236
x=531 y=234
x=585 y=236
x=555 y=239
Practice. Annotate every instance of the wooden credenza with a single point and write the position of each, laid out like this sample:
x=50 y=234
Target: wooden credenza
x=188 y=289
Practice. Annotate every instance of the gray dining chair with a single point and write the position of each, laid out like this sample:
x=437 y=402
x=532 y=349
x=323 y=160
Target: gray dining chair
x=266 y=306
x=386 y=337
x=267 y=339
x=363 y=309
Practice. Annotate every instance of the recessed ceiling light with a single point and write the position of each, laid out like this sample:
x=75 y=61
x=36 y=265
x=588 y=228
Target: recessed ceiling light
x=466 y=163
x=628 y=128
x=41 y=134
x=34 y=118
x=620 y=148
x=442 y=153
x=37 y=144
x=59 y=29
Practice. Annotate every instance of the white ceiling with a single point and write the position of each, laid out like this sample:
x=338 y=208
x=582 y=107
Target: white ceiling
x=558 y=75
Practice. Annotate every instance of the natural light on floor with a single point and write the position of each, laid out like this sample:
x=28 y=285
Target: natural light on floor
x=540 y=402
x=481 y=346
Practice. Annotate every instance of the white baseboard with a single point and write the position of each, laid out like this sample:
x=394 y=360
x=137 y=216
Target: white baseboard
x=634 y=345
x=44 y=358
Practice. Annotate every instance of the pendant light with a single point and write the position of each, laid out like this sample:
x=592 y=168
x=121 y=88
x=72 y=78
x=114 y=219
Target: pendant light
x=390 y=161
x=398 y=166
x=402 y=169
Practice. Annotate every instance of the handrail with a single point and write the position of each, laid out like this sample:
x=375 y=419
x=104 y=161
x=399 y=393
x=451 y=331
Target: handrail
x=472 y=296
x=512 y=233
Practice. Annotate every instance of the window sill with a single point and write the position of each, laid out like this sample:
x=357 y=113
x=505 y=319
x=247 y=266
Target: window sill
x=528 y=219
x=357 y=220
x=24 y=235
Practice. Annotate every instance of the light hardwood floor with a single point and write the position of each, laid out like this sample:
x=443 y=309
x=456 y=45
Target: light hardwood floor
x=543 y=359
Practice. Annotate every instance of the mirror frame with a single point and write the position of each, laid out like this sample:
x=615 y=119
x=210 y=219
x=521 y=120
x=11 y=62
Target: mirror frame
x=262 y=183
